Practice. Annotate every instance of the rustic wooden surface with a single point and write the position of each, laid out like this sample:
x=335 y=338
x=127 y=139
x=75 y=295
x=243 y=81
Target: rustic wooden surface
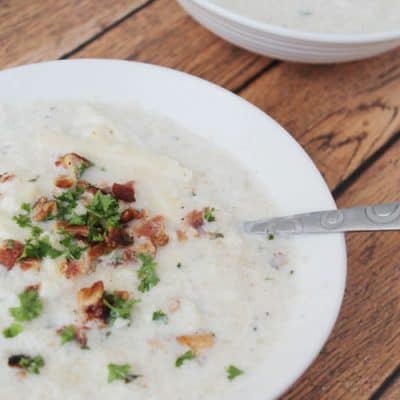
x=346 y=116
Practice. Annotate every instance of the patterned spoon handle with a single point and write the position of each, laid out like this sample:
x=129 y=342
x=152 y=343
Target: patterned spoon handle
x=381 y=217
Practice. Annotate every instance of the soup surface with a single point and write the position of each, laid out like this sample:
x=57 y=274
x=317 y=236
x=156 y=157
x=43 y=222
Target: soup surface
x=327 y=16
x=123 y=273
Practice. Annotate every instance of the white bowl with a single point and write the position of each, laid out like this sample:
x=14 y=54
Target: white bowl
x=288 y=44
x=264 y=148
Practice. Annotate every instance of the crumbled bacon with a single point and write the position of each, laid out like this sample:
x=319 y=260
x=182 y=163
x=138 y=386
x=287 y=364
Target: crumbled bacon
x=98 y=250
x=10 y=251
x=15 y=360
x=195 y=219
x=122 y=294
x=154 y=229
x=144 y=245
x=64 y=182
x=70 y=268
x=118 y=237
x=73 y=162
x=43 y=209
x=79 y=231
x=30 y=263
x=181 y=235
x=197 y=342
x=130 y=214
x=87 y=187
x=90 y=302
x=124 y=192
x=6 y=177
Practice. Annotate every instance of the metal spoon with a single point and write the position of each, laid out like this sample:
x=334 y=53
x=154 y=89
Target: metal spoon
x=380 y=217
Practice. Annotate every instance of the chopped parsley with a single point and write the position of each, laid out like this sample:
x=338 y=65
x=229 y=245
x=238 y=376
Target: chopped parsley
x=118 y=307
x=39 y=247
x=209 y=214
x=83 y=166
x=160 y=316
x=66 y=203
x=23 y=219
x=102 y=213
x=271 y=236
x=30 y=307
x=10 y=244
x=13 y=330
x=147 y=273
x=67 y=334
x=233 y=372
x=179 y=265
x=184 y=357
x=31 y=365
x=72 y=248
x=120 y=372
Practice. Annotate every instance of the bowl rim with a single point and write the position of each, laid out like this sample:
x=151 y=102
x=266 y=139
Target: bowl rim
x=328 y=38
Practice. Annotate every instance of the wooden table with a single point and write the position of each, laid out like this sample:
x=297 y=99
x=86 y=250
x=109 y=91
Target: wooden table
x=346 y=116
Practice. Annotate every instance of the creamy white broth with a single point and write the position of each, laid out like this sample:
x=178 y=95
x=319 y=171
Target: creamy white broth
x=234 y=287
x=325 y=16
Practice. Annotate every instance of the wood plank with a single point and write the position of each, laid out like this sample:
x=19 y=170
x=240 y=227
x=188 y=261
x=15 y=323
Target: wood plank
x=32 y=31
x=364 y=348
x=341 y=114
x=392 y=392
x=164 y=34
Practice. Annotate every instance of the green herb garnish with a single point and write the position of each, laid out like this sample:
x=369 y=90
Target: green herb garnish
x=39 y=247
x=67 y=334
x=233 y=372
x=120 y=372
x=66 y=203
x=31 y=365
x=118 y=307
x=10 y=244
x=179 y=265
x=72 y=249
x=30 y=306
x=147 y=273
x=13 y=330
x=23 y=219
x=271 y=236
x=208 y=214
x=160 y=316
x=184 y=357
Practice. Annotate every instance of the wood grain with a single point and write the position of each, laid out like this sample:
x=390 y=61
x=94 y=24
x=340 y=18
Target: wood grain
x=364 y=348
x=341 y=114
x=32 y=31
x=164 y=34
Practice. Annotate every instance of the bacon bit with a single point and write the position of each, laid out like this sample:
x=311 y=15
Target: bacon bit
x=6 y=177
x=118 y=237
x=70 y=268
x=90 y=188
x=197 y=342
x=154 y=229
x=15 y=360
x=43 y=208
x=90 y=302
x=144 y=245
x=122 y=294
x=33 y=288
x=79 y=231
x=195 y=219
x=30 y=263
x=128 y=254
x=130 y=214
x=10 y=251
x=181 y=235
x=124 y=192
x=98 y=250
x=80 y=336
x=73 y=162
x=174 y=305
x=64 y=182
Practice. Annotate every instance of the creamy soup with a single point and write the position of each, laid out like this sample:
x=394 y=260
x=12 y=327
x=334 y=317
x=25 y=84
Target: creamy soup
x=329 y=16
x=123 y=273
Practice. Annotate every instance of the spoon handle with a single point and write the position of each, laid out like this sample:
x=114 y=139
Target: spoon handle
x=380 y=217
